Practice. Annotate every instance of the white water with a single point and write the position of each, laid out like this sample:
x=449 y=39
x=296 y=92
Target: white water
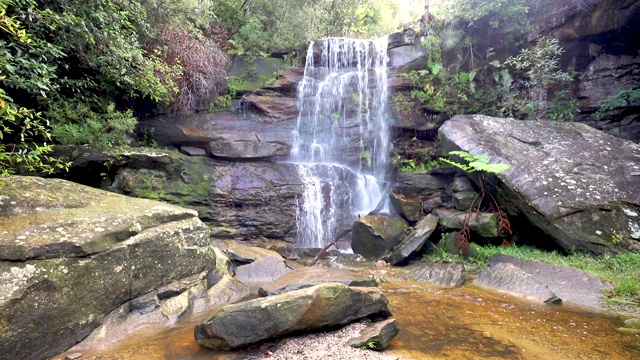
x=341 y=140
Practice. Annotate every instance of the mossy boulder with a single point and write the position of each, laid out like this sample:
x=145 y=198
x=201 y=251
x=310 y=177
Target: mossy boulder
x=70 y=254
x=375 y=235
x=577 y=184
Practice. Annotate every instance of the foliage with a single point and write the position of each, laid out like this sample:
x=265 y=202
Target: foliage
x=621 y=99
x=413 y=165
x=539 y=67
x=25 y=138
x=475 y=163
x=224 y=101
x=564 y=108
x=484 y=201
x=371 y=345
x=78 y=124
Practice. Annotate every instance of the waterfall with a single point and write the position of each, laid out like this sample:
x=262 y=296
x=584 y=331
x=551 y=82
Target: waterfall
x=341 y=139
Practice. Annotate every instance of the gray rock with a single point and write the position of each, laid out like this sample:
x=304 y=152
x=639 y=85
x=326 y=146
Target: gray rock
x=134 y=246
x=246 y=149
x=407 y=204
x=311 y=276
x=267 y=269
x=483 y=224
x=407 y=58
x=379 y=334
x=510 y=279
x=374 y=235
x=192 y=151
x=423 y=184
x=300 y=310
x=446 y=275
x=579 y=185
x=463 y=200
x=571 y=285
x=431 y=203
x=460 y=184
x=402 y=38
x=276 y=107
x=413 y=240
x=246 y=254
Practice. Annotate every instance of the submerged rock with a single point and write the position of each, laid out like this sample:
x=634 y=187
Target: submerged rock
x=311 y=276
x=70 y=254
x=579 y=185
x=307 y=309
x=445 y=275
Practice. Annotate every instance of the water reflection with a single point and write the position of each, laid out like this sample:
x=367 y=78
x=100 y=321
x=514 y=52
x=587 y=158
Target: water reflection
x=464 y=323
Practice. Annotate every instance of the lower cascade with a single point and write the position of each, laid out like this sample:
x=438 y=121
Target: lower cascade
x=341 y=139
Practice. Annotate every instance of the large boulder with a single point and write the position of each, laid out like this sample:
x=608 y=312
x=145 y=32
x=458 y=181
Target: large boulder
x=579 y=185
x=70 y=254
x=307 y=309
x=374 y=235
x=276 y=107
x=406 y=203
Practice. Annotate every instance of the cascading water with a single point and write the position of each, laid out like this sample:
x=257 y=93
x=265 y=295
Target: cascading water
x=341 y=140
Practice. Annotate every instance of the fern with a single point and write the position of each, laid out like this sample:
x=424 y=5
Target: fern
x=475 y=163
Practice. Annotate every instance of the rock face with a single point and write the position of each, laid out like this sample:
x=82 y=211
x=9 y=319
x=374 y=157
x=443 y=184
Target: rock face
x=406 y=204
x=70 y=254
x=483 y=224
x=374 y=235
x=512 y=280
x=413 y=240
x=579 y=185
x=246 y=149
x=572 y=285
x=301 y=310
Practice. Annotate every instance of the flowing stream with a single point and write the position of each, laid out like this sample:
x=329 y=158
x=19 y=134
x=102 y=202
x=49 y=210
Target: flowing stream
x=341 y=140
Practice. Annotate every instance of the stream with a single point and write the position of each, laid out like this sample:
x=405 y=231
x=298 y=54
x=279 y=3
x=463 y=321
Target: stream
x=435 y=323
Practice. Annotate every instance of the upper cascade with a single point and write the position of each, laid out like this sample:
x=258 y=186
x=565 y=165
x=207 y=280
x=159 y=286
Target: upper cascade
x=342 y=122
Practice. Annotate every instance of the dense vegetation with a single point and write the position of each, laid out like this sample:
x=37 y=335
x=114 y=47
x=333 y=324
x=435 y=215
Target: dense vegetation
x=82 y=71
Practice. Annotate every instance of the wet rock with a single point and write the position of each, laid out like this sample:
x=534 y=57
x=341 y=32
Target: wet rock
x=446 y=275
x=406 y=204
x=77 y=253
x=483 y=224
x=269 y=268
x=628 y=331
x=413 y=240
x=276 y=107
x=176 y=307
x=510 y=279
x=378 y=334
x=192 y=151
x=464 y=200
x=246 y=149
x=202 y=128
x=374 y=235
x=571 y=285
x=287 y=82
x=73 y=356
x=577 y=184
x=311 y=276
x=300 y=310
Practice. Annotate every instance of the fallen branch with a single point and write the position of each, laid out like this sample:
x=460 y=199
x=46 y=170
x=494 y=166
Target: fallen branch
x=333 y=241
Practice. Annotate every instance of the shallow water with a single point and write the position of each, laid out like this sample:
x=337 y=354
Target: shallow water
x=436 y=323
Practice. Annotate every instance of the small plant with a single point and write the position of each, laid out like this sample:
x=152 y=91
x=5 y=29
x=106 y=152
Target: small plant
x=484 y=200
x=371 y=345
x=617 y=101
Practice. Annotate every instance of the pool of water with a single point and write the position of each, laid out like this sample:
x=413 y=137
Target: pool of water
x=435 y=323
